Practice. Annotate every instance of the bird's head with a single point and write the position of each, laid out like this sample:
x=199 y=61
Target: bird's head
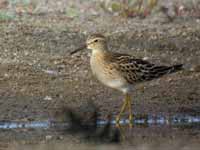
x=95 y=42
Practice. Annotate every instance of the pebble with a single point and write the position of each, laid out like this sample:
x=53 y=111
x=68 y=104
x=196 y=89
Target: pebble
x=48 y=137
x=145 y=58
x=48 y=98
x=6 y=75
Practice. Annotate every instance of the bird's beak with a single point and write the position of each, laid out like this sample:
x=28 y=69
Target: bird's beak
x=78 y=49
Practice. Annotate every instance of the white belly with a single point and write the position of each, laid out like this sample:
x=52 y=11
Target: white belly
x=112 y=80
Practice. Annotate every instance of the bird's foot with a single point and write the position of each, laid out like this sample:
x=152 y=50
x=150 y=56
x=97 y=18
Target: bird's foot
x=130 y=121
x=117 y=121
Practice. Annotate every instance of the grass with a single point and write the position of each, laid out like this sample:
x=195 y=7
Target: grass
x=131 y=8
x=6 y=16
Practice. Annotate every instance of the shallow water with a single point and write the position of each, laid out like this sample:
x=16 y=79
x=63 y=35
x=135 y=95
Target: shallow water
x=145 y=120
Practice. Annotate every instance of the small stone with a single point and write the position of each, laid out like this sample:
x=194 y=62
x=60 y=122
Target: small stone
x=145 y=58
x=6 y=75
x=48 y=98
x=48 y=137
x=169 y=79
x=184 y=34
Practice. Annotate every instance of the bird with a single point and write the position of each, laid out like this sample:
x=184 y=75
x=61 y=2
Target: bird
x=121 y=71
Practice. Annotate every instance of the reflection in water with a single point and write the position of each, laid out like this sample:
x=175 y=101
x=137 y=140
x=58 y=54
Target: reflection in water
x=102 y=131
x=18 y=124
x=144 y=120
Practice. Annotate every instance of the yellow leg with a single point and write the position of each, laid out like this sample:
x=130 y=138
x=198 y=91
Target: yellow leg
x=130 y=111
x=127 y=102
x=122 y=132
x=122 y=110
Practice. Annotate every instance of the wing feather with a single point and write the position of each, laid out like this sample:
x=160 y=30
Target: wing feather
x=137 y=70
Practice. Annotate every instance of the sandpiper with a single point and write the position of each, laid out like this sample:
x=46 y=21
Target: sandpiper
x=121 y=71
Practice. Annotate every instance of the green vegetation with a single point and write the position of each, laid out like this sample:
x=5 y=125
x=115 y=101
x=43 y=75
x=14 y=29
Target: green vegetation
x=5 y=16
x=130 y=8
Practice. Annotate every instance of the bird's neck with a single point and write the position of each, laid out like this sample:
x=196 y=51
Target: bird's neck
x=100 y=50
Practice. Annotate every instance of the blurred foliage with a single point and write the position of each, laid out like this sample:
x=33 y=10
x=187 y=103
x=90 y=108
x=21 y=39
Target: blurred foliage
x=25 y=2
x=126 y=8
x=72 y=12
x=6 y=16
x=130 y=8
x=11 y=8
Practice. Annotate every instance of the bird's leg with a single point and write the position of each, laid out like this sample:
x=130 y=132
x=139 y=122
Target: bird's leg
x=122 y=132
x=130 y=110
x=122 y=110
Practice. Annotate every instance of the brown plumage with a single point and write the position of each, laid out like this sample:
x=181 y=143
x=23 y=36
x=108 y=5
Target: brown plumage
x=137 y=70
x=121 y=71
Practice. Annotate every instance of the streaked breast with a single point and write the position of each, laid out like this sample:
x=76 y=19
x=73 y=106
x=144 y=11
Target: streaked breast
x=107 y=73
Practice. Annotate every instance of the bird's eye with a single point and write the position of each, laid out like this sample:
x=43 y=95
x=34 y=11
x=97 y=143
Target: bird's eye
x=95 y=40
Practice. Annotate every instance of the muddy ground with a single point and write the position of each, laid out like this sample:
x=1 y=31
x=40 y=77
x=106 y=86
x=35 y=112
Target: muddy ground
x=38 y=76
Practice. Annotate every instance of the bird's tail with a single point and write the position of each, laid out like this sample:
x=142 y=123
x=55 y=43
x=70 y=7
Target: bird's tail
x=162 y=70
x=175 y=68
